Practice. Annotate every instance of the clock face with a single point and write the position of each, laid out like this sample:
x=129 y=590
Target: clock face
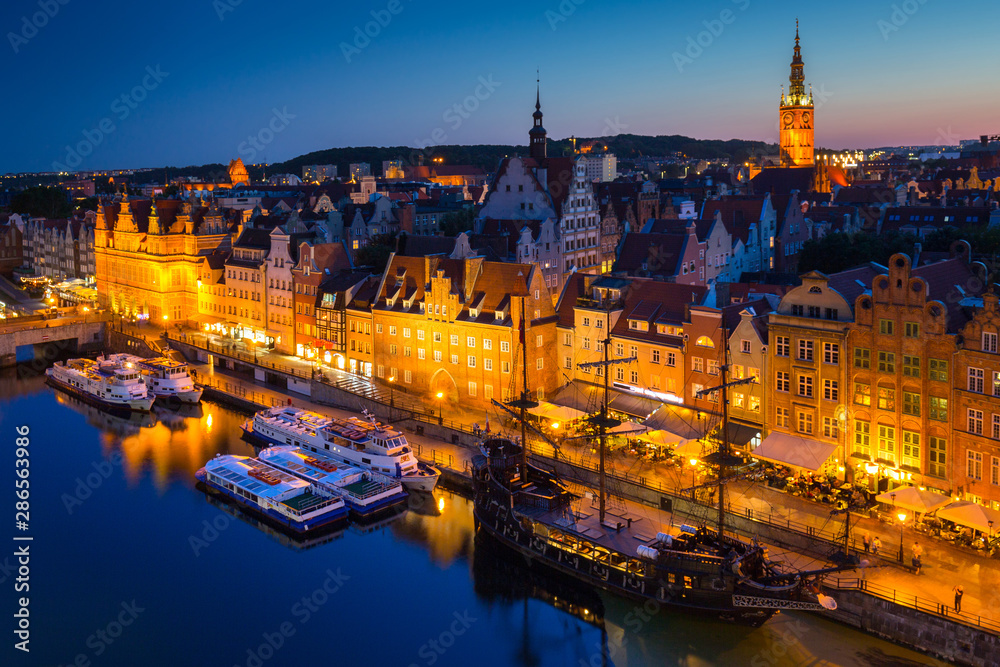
x=787 y=119
x=806 y=119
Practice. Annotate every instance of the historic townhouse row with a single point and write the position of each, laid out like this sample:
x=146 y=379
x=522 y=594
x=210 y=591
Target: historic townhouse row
x=891 y=371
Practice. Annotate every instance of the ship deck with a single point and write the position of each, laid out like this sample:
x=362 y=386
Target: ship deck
x=582 y=519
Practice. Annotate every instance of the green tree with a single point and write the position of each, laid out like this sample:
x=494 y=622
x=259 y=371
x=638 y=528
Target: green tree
x=375 y=255
x=456 y=222
x=42 y=202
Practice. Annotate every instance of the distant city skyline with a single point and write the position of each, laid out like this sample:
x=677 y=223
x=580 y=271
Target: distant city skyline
x=133 y=86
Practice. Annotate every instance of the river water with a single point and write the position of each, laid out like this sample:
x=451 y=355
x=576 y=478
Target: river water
x=130 y=564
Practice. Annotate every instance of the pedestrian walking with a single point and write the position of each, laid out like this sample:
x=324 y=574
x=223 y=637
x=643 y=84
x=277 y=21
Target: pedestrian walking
x=918 y=551
x=867 y=541
x=876 y=545
x=959 y=592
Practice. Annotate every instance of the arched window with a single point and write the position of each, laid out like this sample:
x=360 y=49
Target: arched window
x=704 y=341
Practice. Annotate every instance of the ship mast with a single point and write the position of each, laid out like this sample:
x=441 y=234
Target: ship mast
x=603 y=421
x=723 y=454
x=524 y=403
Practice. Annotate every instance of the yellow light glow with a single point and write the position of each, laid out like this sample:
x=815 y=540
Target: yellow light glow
x=902 y=517
x=208 y=422
x=392 y=378
x=693 y=462
x=164 y=317
x=441 y=504
x=440 y=394
x=555 y=425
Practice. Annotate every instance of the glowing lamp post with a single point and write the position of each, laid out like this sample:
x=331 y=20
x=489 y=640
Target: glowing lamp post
x=440 y=397
x=392 y=379
x=693 y=463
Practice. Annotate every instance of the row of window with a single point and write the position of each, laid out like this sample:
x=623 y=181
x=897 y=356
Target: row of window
x=470 y=341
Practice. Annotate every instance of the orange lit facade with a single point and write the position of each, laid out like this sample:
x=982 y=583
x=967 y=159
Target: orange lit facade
x=452 y=327
x=148 y=258
x=796 y=117
x=976 y=419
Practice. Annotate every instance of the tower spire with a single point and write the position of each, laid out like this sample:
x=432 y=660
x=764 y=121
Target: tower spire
x=537 y=135
x=796 y=91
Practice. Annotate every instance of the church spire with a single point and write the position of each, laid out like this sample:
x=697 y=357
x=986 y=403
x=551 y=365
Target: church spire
x=537 y=135
x=797 y=90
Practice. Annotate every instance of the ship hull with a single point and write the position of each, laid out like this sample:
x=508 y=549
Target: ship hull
x=115 y=407
x=707 y=602
x=424 y=481
x=300 y=527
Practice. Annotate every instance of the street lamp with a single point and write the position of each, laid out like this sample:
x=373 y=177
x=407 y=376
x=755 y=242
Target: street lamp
x=694 y=463
x=392 y=379
x=902 y=521
x=440 y=396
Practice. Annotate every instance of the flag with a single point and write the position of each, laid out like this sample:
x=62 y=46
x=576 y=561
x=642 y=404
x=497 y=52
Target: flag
x=487 y=430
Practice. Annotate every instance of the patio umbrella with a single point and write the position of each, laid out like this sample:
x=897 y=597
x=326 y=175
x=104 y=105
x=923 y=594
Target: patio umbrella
x=660 y=438
x=972 y=515
x=913 y=499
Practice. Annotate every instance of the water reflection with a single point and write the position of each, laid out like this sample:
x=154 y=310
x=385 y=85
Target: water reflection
x=294 y=542
x=171 y=442
x=442 y=522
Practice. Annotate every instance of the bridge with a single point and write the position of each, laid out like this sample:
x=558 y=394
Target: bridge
x=25 y=339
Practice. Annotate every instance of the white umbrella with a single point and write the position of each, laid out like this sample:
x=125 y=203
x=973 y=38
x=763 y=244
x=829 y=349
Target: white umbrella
x=914 y=499
x=972 y=515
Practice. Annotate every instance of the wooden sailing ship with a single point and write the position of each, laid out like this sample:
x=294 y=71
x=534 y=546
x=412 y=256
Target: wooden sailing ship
x=700 y=569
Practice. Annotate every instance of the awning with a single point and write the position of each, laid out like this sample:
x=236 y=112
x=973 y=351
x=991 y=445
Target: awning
x=209 y=319
x=628 y=428
x=559 y=413
x=914 y=499
x=740 y=435
x=637 y=406
x=580 y=396
x=660 y=438
x=794 y=451
x=682 y=422
x=972 y=515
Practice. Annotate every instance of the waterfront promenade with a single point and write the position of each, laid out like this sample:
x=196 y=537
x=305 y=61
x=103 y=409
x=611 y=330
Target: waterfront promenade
x=944 y=566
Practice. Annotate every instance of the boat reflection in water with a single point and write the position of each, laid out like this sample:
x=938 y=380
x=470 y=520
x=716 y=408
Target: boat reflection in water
x=501 y=577
x=177 y=417
x=121 y=425
x=284 y=537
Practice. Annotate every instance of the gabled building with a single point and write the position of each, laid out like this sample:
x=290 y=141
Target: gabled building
x=452 y=327
x=148 y=255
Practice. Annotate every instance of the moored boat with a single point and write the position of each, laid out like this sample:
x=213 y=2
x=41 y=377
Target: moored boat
x=696 y=569
x=166 y=379
x=366 y=444
x=289 y=500
x=107 y=385
x=365 y=492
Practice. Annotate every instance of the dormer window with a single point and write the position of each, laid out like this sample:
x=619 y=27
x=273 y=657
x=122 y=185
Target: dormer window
x=473 y=312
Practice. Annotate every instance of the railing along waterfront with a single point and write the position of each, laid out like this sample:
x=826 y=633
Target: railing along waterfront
x=913 y=602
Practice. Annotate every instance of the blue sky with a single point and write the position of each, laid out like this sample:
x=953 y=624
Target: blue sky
x=889 y=73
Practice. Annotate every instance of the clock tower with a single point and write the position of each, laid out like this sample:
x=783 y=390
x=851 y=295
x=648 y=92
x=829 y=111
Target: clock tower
x=795 y=119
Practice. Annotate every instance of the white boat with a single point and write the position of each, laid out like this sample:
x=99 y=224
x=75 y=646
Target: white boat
x=106 y=384
x=366 y=444
x=291 y=501
x=166 y=378
x=365 y=492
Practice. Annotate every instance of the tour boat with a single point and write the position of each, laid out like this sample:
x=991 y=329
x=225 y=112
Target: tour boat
x=698 y=569
x=364 y=491
x=166 y=378
x=289 y=500
x=107 y=385
x=364 y=443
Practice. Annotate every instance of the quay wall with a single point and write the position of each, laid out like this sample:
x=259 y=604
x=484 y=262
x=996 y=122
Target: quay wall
x=928 y=632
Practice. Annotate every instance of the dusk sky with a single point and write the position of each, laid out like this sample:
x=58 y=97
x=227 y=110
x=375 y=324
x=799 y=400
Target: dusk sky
x=881 y=76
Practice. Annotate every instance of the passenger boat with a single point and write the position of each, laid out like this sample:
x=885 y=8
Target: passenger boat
x=167 y=379
x=365 y=492
x=108 y=385
x=292 y=502
x=364 y=443
x=697 y=569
